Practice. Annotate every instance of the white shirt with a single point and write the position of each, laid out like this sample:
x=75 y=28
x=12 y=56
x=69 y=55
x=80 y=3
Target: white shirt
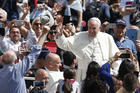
x=38 y=12
x=123 y=4
x=20 y=10
x=7 y=44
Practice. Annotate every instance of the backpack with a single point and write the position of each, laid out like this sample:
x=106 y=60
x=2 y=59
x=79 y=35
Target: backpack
x=93 y=10
x=135 y=17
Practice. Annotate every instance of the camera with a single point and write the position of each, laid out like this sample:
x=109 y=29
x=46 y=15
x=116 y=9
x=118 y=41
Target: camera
x=40 y=5
x=45 y=19
x=39 y=83
x=124 y=53
x=1 y=66
x=38 y=87
x=38 y=90
x=2 y=30
x=19 y=22
x=1 y=25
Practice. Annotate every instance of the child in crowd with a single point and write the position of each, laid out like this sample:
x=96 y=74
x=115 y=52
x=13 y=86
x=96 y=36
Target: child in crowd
x=68 y=85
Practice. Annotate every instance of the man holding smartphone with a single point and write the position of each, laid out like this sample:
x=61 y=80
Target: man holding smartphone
x=120 y=39
x=12 y=75
x=41 y=80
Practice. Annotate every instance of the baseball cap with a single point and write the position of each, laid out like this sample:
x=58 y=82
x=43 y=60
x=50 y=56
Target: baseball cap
x=43 y=53
x=121 y=22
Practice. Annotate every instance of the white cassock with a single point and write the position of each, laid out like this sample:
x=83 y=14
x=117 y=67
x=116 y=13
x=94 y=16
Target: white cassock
x=99 y=49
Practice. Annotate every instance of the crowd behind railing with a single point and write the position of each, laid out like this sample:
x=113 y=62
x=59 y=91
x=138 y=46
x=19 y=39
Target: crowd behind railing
x=69 y=46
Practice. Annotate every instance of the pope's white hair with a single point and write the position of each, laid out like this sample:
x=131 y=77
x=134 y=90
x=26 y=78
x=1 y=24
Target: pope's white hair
x=95 y=19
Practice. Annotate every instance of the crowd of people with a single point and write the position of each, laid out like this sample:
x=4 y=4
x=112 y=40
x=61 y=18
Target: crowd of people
x=69 y=46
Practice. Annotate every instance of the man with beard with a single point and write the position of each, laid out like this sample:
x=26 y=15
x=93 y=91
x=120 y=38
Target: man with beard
x=13 y=42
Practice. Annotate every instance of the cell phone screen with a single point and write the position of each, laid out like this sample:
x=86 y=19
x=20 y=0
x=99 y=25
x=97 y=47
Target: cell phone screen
x=19 y=22
x=39 y=83
x=2 y=31
x=124 y=53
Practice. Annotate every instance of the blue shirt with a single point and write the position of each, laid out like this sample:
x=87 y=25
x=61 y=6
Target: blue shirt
x=126 y=43
x=12 y=76
x=106 y=76
x=106 y=13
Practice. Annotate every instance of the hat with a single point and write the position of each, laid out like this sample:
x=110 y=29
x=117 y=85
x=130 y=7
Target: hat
x=121 y=22
x=53 y=27
x=43 y=53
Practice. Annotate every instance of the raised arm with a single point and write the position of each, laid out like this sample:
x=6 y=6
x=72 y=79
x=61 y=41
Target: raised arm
x=29 y=60
x=61 y=40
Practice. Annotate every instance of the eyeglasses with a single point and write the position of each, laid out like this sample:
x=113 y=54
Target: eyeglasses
x=14 y=32
x=37 y=24
x=52 y=33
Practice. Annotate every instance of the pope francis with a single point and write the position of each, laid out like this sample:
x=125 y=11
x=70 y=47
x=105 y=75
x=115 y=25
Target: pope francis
x=88 y=46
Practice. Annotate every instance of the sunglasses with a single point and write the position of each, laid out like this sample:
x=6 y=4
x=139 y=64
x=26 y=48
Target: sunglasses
x=37 y=24
x=52 y=33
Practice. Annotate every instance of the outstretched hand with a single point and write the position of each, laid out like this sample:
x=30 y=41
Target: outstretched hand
x=26 y=8
x=59 y=28
x=27 y=25
x=134 y=60
x=42 y=38
x=11 y=23
x=46 y=29
x=131 y=54
x=56 y=8
x=117 y=55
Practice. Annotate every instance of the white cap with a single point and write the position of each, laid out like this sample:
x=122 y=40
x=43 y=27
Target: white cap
x=96 y=19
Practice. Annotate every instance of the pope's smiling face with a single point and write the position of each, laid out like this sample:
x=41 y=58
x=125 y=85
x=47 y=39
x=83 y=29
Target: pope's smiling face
x=93 y=28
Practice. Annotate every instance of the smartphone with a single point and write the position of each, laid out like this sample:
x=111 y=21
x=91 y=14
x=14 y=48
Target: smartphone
x=40 y=5
x=124 y=53
x=2 y=31
x=39 y=83
x=111 y=25
x=1 y=25
x=19 y=22
x=1 y=66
